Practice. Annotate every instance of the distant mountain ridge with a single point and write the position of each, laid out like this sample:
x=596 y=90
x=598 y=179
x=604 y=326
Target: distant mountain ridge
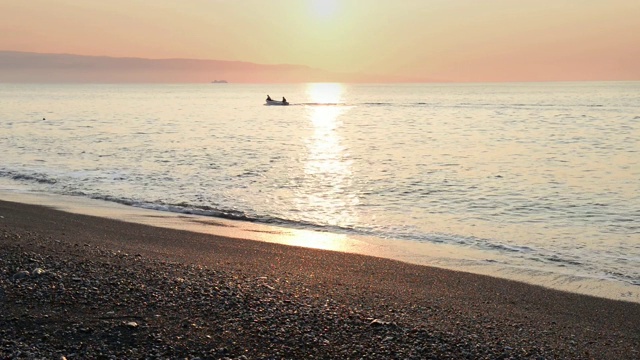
x=31 y=67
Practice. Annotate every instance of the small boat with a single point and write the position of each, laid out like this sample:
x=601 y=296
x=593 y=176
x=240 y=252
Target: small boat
x=276 y=102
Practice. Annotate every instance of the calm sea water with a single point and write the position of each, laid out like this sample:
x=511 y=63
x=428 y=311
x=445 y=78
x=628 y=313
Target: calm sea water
x=546 y=175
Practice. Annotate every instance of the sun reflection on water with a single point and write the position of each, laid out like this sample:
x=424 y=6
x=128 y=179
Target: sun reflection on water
x=325 y=195
x=325 y=93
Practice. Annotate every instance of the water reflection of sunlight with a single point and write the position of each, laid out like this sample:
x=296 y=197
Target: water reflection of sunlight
x=325 y=93
x=325 y=195
x=315 y=240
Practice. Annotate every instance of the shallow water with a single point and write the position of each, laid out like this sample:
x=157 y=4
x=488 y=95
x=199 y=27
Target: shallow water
x=535 y=177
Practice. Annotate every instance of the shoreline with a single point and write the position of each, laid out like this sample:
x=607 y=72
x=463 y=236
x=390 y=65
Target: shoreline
x=426 y=254
x=108 y=287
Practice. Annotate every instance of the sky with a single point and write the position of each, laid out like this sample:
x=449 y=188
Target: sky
x=416 y=40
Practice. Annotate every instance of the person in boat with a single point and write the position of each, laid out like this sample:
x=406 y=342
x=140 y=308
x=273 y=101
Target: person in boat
x=269 y=98
x=284 y=100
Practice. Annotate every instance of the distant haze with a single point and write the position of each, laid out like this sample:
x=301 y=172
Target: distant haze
x=329 y=40
x=65 y=68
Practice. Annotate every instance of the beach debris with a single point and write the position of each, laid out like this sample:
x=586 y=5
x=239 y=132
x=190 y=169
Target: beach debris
x=268 y=287
x=39 y=272
x=131 y=324
x=20 y=275
x=378 y=322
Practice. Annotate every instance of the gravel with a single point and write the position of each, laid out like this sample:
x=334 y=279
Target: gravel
x=61 y=299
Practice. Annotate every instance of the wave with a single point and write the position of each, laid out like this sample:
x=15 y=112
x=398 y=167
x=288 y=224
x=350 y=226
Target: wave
x=579 y=263
x=459 y=105
x=35 y=177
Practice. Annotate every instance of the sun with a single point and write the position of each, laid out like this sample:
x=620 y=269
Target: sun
x=323 y=9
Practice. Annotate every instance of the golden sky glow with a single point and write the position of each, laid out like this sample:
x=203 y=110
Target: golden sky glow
x=442 y=40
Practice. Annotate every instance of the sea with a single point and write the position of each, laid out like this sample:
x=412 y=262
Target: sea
x=536 y=182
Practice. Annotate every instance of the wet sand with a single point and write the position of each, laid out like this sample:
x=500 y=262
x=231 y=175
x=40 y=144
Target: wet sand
x=80 y=286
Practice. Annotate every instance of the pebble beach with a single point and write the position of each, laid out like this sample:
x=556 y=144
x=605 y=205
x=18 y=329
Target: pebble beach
x=80 y=287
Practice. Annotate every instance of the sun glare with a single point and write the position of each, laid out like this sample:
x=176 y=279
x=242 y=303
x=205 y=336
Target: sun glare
x=324 y=9
x=325 y=93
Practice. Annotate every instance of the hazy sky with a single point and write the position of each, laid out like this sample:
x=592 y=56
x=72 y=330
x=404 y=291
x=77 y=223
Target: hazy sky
x=449 y=40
